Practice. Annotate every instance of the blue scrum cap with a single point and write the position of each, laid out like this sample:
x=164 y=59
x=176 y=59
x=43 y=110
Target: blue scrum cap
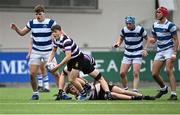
x=130 y=19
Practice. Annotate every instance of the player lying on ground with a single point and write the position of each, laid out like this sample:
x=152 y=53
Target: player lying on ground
x=97 y=93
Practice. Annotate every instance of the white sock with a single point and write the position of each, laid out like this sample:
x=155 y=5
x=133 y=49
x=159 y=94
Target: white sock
x=164 y=88
x=40 y=80
x=126 y=88
x=35 y=93
x=173 y=92
x=135 y=90
x=46 y=82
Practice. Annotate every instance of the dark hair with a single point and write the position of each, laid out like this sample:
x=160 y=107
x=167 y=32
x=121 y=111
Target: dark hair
x=56 y=27
x=39 y=8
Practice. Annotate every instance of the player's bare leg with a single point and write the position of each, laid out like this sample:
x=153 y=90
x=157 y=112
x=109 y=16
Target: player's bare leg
x=156 y=71
x=126 y=92
x=169 y=70
x=123 y=71
x=73 y=79
x=61 y=80
x=61 y=95
x=136 y=70
x=156 y=75
x=57 y=77
x=98 y=77
x=120 y=96
x=102 y=81
x=33 y=73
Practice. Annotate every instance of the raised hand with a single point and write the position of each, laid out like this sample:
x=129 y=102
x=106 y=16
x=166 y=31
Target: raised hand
x=13 y=26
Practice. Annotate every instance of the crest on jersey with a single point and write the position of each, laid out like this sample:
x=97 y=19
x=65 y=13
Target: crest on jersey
x=136 y=35
x=45 y=26
x=76 y=65
x=164 y=30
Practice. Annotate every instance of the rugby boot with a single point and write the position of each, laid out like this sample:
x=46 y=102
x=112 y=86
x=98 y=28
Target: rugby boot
x=173 y=97
x=35 y=97
x=160 y=93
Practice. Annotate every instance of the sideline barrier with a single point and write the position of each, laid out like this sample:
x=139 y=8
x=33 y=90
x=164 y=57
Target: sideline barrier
x=109 y=64
x=14 y=67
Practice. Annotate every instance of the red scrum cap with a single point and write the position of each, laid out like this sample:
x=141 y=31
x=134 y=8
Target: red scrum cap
x=163 y=10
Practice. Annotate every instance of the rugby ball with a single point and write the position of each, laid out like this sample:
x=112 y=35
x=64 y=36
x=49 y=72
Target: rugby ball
x=50 y=66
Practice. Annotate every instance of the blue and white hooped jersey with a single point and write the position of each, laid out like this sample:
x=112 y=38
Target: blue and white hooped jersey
x=65 y=43
x=41 y=34
x=133 y=40
x=163 y=33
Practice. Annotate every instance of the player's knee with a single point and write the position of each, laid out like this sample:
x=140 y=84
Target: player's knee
x=98 y=77
x=33 y=74
x=72 y=79
x=122 y=74
x=135 y=74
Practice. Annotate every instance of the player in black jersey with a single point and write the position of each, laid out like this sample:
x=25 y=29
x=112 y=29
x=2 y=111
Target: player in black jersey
x=76 y=61
x=97 y=93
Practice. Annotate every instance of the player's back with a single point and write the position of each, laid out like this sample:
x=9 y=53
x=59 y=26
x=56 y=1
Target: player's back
x=66 y=43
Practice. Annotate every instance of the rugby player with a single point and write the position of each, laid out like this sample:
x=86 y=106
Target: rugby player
x=164 y=33
x=97 y=93
x=40 y=28
x=76 y=62
x=133 y=36
x=42 y=77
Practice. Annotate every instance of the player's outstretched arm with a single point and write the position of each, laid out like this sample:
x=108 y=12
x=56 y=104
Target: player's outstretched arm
x=64 y=61
x=52 y=54
x=21 y=32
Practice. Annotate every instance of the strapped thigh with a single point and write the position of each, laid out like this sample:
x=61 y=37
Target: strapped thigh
x=98 y=77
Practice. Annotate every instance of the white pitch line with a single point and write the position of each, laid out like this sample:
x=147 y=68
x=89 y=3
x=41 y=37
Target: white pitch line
x=90 y=114
x=94 y=103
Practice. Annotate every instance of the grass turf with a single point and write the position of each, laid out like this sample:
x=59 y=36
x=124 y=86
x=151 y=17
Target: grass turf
x=17 y=101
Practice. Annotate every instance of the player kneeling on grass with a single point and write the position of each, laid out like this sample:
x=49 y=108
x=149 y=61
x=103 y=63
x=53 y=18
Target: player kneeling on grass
x=97 y=93
x=65 y=73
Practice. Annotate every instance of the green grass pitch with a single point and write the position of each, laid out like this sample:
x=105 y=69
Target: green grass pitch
x=17 y=101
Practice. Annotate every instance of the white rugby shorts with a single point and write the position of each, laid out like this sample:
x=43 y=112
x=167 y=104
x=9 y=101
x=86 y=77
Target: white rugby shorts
x=164 y=55
x=127 y=60
x=38 y=59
